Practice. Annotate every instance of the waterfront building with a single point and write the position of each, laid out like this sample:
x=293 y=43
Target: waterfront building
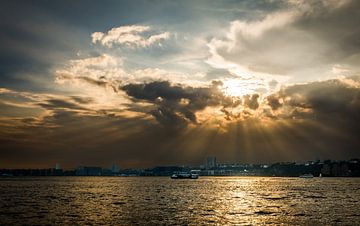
x=210 y=162
x=88 y=171
x=115 y=169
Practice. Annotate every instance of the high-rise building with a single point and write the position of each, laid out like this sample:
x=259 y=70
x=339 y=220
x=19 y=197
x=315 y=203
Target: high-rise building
x=57 y=171
x=57 y=166
x=115 y=168
x=210 y=162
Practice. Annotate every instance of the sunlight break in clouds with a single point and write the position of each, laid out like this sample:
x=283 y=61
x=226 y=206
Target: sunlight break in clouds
x=130 y=36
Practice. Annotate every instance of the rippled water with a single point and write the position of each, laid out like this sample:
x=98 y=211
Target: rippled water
x=162 y=201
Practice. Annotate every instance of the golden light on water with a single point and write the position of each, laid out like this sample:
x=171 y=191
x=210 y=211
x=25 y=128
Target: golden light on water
x=160 y=200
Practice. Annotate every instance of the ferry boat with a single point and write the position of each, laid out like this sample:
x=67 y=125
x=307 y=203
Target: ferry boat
x=184 y=175
x=308 y=175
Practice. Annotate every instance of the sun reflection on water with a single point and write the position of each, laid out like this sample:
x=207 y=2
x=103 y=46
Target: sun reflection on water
x=160 y=200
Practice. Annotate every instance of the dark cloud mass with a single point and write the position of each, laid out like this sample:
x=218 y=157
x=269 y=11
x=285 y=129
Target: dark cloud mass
x=178 y=104
x=252 y=101
x=274 y=101
x=333 y=102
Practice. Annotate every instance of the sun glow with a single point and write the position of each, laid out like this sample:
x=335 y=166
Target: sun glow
x=237 y=88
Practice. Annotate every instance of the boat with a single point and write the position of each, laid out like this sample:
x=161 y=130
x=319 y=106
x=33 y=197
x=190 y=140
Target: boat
x=308 y=175
x=184 y=175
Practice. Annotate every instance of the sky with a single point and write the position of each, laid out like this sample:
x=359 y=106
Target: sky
x=148 y=83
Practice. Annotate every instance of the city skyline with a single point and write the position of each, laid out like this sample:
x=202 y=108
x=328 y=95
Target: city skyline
x=149 y=83
x=317 y=168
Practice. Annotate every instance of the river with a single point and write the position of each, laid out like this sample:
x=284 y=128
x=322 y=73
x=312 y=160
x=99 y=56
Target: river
x=162 y=201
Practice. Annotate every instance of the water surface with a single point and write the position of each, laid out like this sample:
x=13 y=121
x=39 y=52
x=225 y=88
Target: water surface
x=162 y=201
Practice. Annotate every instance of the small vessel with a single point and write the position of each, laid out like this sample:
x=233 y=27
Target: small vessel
x=308 y=175
x=184 y=175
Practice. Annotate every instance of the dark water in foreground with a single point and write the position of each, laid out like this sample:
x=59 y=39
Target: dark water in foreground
x=162 y=201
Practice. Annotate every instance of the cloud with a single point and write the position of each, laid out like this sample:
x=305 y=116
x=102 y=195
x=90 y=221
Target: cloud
x=82 y=100
x=178 y=104
x=98 y=67
x=172 y=103
x=157 y=74
x=104 y=70
x=334 y=103
x=61 y=104
x=316 y=101
x=251 y=101
x=303 y=121
x=300 y=41
x=109 y=71
x=133 y=36
x=273 y=83
x=46 y=101
x=64 y=133
x=274 y=101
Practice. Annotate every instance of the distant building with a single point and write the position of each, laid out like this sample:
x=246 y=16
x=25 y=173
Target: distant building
x=326 y=169
x=88 y=171
x=57 y=166
x=57 y=171
x=210 y=162
x=115 y=169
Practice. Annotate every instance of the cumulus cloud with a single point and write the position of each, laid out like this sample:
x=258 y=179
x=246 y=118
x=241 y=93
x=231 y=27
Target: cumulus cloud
x=102 y=66
x=274 y=101
x=104 y=70
x=134 y=36
x=334 y=102
x=109 y=71
x=301 y=41
x=251 y=101
x=178 y=104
